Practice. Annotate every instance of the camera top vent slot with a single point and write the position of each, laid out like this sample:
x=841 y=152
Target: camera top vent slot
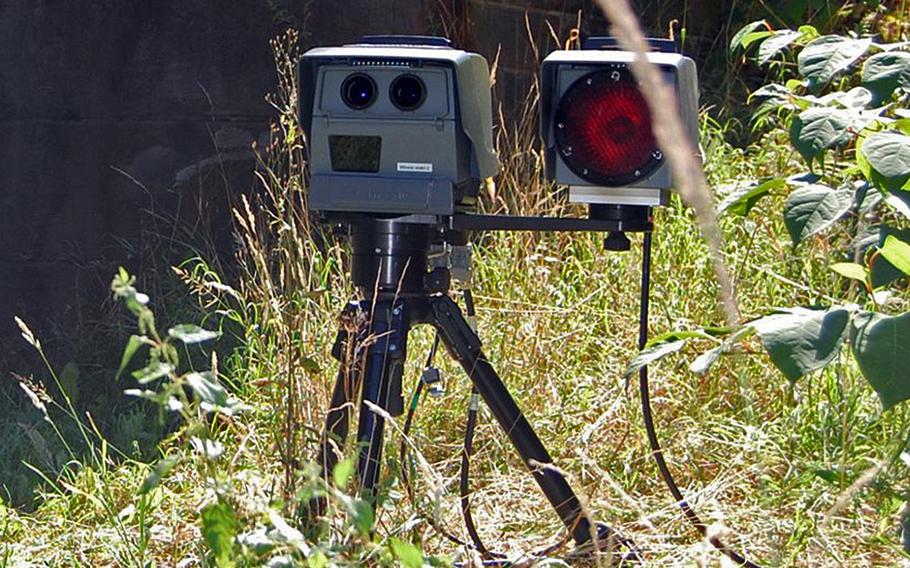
x=382 y=63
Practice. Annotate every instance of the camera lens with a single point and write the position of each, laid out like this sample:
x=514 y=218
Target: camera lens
x=407 y=92
x=358 y=91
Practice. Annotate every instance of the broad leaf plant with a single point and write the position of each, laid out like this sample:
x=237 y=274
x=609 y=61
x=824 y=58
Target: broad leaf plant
x=846 y=114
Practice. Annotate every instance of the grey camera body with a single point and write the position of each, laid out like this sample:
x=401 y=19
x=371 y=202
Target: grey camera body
x=384 y=160
x=562 y=69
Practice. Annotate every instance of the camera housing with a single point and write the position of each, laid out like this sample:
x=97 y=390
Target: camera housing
x=596 y=126
x=396 y=125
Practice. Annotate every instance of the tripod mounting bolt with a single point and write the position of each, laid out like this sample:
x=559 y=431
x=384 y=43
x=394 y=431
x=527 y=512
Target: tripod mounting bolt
x=617 y=241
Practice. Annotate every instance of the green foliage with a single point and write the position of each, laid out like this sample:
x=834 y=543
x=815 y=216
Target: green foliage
x=827 y=56
x=801 y=341
x=197 y=396
x=888 y=154
x=407 y=554
x=812 y=209
x=742 y=199
x=851 y=131
x=219 y=527
x=882 y=349
x=884 y=72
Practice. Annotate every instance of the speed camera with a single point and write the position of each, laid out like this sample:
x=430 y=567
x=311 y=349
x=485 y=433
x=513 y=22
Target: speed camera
x=396 y=125
x=597 y=128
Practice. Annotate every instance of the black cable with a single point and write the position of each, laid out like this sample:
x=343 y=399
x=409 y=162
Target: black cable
x=468 y=449
x=656 y=450
x=403 y=451
x=464 y=484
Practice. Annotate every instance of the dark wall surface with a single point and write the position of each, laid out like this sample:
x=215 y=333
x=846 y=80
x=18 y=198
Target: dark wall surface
x=119 y=116
x=116 y=115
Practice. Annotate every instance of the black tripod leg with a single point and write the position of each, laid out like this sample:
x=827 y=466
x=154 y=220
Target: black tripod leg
x=381 y=386
x=464 y=345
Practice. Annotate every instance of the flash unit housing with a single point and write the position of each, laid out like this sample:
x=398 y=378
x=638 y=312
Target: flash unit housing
x=596 y=126
x=396 y=125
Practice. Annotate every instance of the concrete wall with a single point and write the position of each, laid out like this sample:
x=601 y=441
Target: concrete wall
x=118 y=114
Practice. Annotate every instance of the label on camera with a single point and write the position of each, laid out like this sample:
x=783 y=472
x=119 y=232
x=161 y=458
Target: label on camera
x=415 y=167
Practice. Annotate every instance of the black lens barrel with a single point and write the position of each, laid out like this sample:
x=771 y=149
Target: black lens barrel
x=407 y=92
x=358 y=91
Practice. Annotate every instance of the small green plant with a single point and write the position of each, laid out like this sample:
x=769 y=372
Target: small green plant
x=202 y=403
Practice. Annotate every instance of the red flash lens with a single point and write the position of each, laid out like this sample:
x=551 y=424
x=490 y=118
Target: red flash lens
x=603 y=129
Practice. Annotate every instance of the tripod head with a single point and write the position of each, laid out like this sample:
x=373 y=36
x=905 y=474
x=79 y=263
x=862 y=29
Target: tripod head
x=411 y=255
x=392 y=258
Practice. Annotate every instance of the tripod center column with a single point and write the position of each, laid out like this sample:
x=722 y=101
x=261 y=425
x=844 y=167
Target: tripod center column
x=389 y=257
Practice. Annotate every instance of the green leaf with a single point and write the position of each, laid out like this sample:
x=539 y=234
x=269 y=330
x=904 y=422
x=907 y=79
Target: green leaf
x=881 y=346
x=828 y=475
x=741 y=200
x=360 y=513
x=317 y=560
x=703 y=362
x=856 y=98
x=773 y=45
x=884 y=72
x=776 y=92
x=677 y=335
x=888 y=153
x=825 y=57
x=213 y=396
x=134 y=343
x=342 y=472
x=851 y=270
x=153 y=371
x=755 y=36
x=207 y=389
x=651 y=354
x=408 y=555
x=189 y=333
x=311 y=365
x=738 y=38
x=801 y=341
x=808 y=32
x=284 y=532
x=219 y=525
x=257 y=540
x=158 y=473
x=150 y=395
x=883 y=272
x=818 y=129
x=812 y=209
x=897 y=252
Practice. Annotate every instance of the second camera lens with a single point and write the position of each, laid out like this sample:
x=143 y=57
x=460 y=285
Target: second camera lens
x=358 y=91
x=407 y=92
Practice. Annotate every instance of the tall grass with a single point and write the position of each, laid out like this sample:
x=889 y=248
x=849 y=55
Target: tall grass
x=763 y=460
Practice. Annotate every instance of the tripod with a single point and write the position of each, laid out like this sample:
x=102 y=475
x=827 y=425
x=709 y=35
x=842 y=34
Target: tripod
x=390 y=267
